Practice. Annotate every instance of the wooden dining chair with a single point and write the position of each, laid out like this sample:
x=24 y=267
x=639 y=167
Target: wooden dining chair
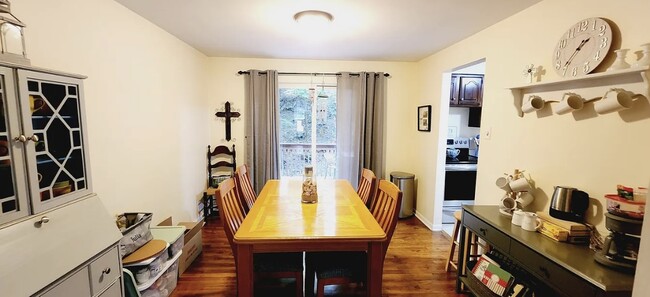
x=265 y=265
x=246 y=191
x=332 y=268
x=367 y=186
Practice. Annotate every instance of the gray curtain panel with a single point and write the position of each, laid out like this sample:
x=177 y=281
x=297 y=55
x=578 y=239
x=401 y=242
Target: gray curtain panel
x=361 y=109
x=262 y=127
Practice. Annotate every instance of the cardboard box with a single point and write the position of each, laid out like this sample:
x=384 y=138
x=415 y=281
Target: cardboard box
x=193 y=242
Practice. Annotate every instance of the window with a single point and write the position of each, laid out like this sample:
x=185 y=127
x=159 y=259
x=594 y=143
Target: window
x=307 y=125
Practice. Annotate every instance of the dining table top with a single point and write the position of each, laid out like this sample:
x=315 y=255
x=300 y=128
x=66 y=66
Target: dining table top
x=279 y=215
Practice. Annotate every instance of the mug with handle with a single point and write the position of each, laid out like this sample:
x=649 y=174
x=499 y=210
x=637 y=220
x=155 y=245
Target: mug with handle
x=530 y=222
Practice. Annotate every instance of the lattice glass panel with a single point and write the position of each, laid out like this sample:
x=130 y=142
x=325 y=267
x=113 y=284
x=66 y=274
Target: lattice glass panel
x=8 y=197
x=56 y=118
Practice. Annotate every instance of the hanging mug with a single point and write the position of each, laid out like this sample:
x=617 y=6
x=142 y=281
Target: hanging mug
x=36 y=104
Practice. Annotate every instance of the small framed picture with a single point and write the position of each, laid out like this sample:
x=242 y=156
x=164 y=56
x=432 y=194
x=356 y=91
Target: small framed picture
x=424 y=118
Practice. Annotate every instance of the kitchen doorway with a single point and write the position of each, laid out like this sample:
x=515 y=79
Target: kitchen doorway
x=461 y=115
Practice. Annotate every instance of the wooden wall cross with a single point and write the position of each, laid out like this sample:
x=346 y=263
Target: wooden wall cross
x=228 y=115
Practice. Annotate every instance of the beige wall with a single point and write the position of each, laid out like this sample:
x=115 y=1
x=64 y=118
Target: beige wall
x=592 y=154
x=145 y=101
x=226 y=85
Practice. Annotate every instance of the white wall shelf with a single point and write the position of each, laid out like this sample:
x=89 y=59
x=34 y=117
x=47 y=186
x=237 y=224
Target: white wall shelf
x=589 y=87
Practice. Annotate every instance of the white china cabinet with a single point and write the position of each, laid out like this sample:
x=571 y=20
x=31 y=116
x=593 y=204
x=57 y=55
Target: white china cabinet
x=56 y=237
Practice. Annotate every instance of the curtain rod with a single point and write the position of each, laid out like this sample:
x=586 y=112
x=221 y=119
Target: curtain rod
x=308 y=73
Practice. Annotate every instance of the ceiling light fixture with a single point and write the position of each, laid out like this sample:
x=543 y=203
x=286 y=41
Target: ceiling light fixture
x=310 y=17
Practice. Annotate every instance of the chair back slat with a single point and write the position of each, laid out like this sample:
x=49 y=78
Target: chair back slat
x=367 y=186
x=222 y=159
x=246 y=191
x=386 y=208
x=232 y=212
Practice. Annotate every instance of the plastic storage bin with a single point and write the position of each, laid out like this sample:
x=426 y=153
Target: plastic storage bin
x=172 y=235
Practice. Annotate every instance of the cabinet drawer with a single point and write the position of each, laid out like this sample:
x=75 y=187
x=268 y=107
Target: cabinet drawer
x=104 y=270
x=76 y=285
x=114 y=291
x=493 y=236
x=558 y=277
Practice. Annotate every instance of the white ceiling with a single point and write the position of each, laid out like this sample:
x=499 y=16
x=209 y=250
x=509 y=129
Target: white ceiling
x=369 y=30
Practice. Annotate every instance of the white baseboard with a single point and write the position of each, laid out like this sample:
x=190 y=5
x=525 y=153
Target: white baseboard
x=427 y=223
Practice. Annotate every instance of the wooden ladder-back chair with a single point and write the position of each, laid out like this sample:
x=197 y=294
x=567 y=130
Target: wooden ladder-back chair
x=334 y=268
x=221 y=160
x=367 y=186
x=246 y=191
x=265 y=265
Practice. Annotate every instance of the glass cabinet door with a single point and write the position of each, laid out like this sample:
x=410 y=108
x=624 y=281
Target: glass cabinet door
x=13 y=193
x=56 y=145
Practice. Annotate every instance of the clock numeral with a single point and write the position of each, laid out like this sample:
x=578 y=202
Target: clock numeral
x=575 y=71
x=585 y=67
x=594 y=27
x=603 y=42
x=602 y=30
x=583 y=26
x=563 y=43
x=597 y=55
x=571 y=33
x=557 y=55
x=558 y=64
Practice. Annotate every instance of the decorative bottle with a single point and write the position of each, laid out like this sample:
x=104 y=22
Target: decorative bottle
x=309 y=186
x=620 y=63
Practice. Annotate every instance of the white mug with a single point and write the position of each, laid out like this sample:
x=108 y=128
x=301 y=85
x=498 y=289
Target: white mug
x=517 y=217
x=503 y=184
x=530 y=222
x=614 y=100
x=569 y=103
x=524 y=199
x=508 y=203
x=520 y=185
x=534 y=103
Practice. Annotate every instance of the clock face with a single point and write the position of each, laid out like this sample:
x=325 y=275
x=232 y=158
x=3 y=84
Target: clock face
x=582 y=47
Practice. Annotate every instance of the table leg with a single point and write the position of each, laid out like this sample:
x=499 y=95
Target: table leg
x=375 y=268
x=462 y=253
x=244 y=270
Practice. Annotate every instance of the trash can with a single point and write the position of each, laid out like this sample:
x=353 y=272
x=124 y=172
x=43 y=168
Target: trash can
x=406 y=183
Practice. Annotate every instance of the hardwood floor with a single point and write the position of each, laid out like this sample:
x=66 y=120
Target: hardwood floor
x=414 y=265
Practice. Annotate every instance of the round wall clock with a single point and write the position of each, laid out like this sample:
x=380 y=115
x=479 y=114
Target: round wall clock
x=582 y=47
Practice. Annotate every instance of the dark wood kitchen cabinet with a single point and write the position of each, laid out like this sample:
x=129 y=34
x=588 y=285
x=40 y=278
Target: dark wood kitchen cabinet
x=466 y=90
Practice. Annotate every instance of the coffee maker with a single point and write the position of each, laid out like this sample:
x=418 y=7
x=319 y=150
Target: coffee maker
x=621 y=248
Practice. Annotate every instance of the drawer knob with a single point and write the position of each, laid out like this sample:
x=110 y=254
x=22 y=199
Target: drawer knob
x=106 y=270
x=544 y=271
x=43 y=220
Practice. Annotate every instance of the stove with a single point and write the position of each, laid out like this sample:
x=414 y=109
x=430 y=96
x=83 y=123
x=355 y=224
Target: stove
x=464 y=158
x=460 y=175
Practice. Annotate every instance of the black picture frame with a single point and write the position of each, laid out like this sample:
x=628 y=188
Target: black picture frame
x=424 y=118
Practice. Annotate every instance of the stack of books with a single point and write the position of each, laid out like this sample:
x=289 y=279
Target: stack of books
x=563 y=231
x=488 y=272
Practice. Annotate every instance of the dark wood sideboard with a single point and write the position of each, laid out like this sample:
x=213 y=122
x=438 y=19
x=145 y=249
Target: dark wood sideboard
x=556 y=268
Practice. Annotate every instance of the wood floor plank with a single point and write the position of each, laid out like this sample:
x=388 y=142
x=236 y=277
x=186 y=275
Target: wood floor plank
x=414 y=265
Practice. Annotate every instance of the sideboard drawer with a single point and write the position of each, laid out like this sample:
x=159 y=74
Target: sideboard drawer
x=493 y=236
x=558 y=277
x=75 y=285
x=104 y=270
x=114 y=291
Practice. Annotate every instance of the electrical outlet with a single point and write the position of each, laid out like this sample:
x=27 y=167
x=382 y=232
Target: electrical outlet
x=488 y=133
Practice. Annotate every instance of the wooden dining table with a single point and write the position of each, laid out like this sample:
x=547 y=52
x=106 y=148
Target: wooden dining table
x=280 y=222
